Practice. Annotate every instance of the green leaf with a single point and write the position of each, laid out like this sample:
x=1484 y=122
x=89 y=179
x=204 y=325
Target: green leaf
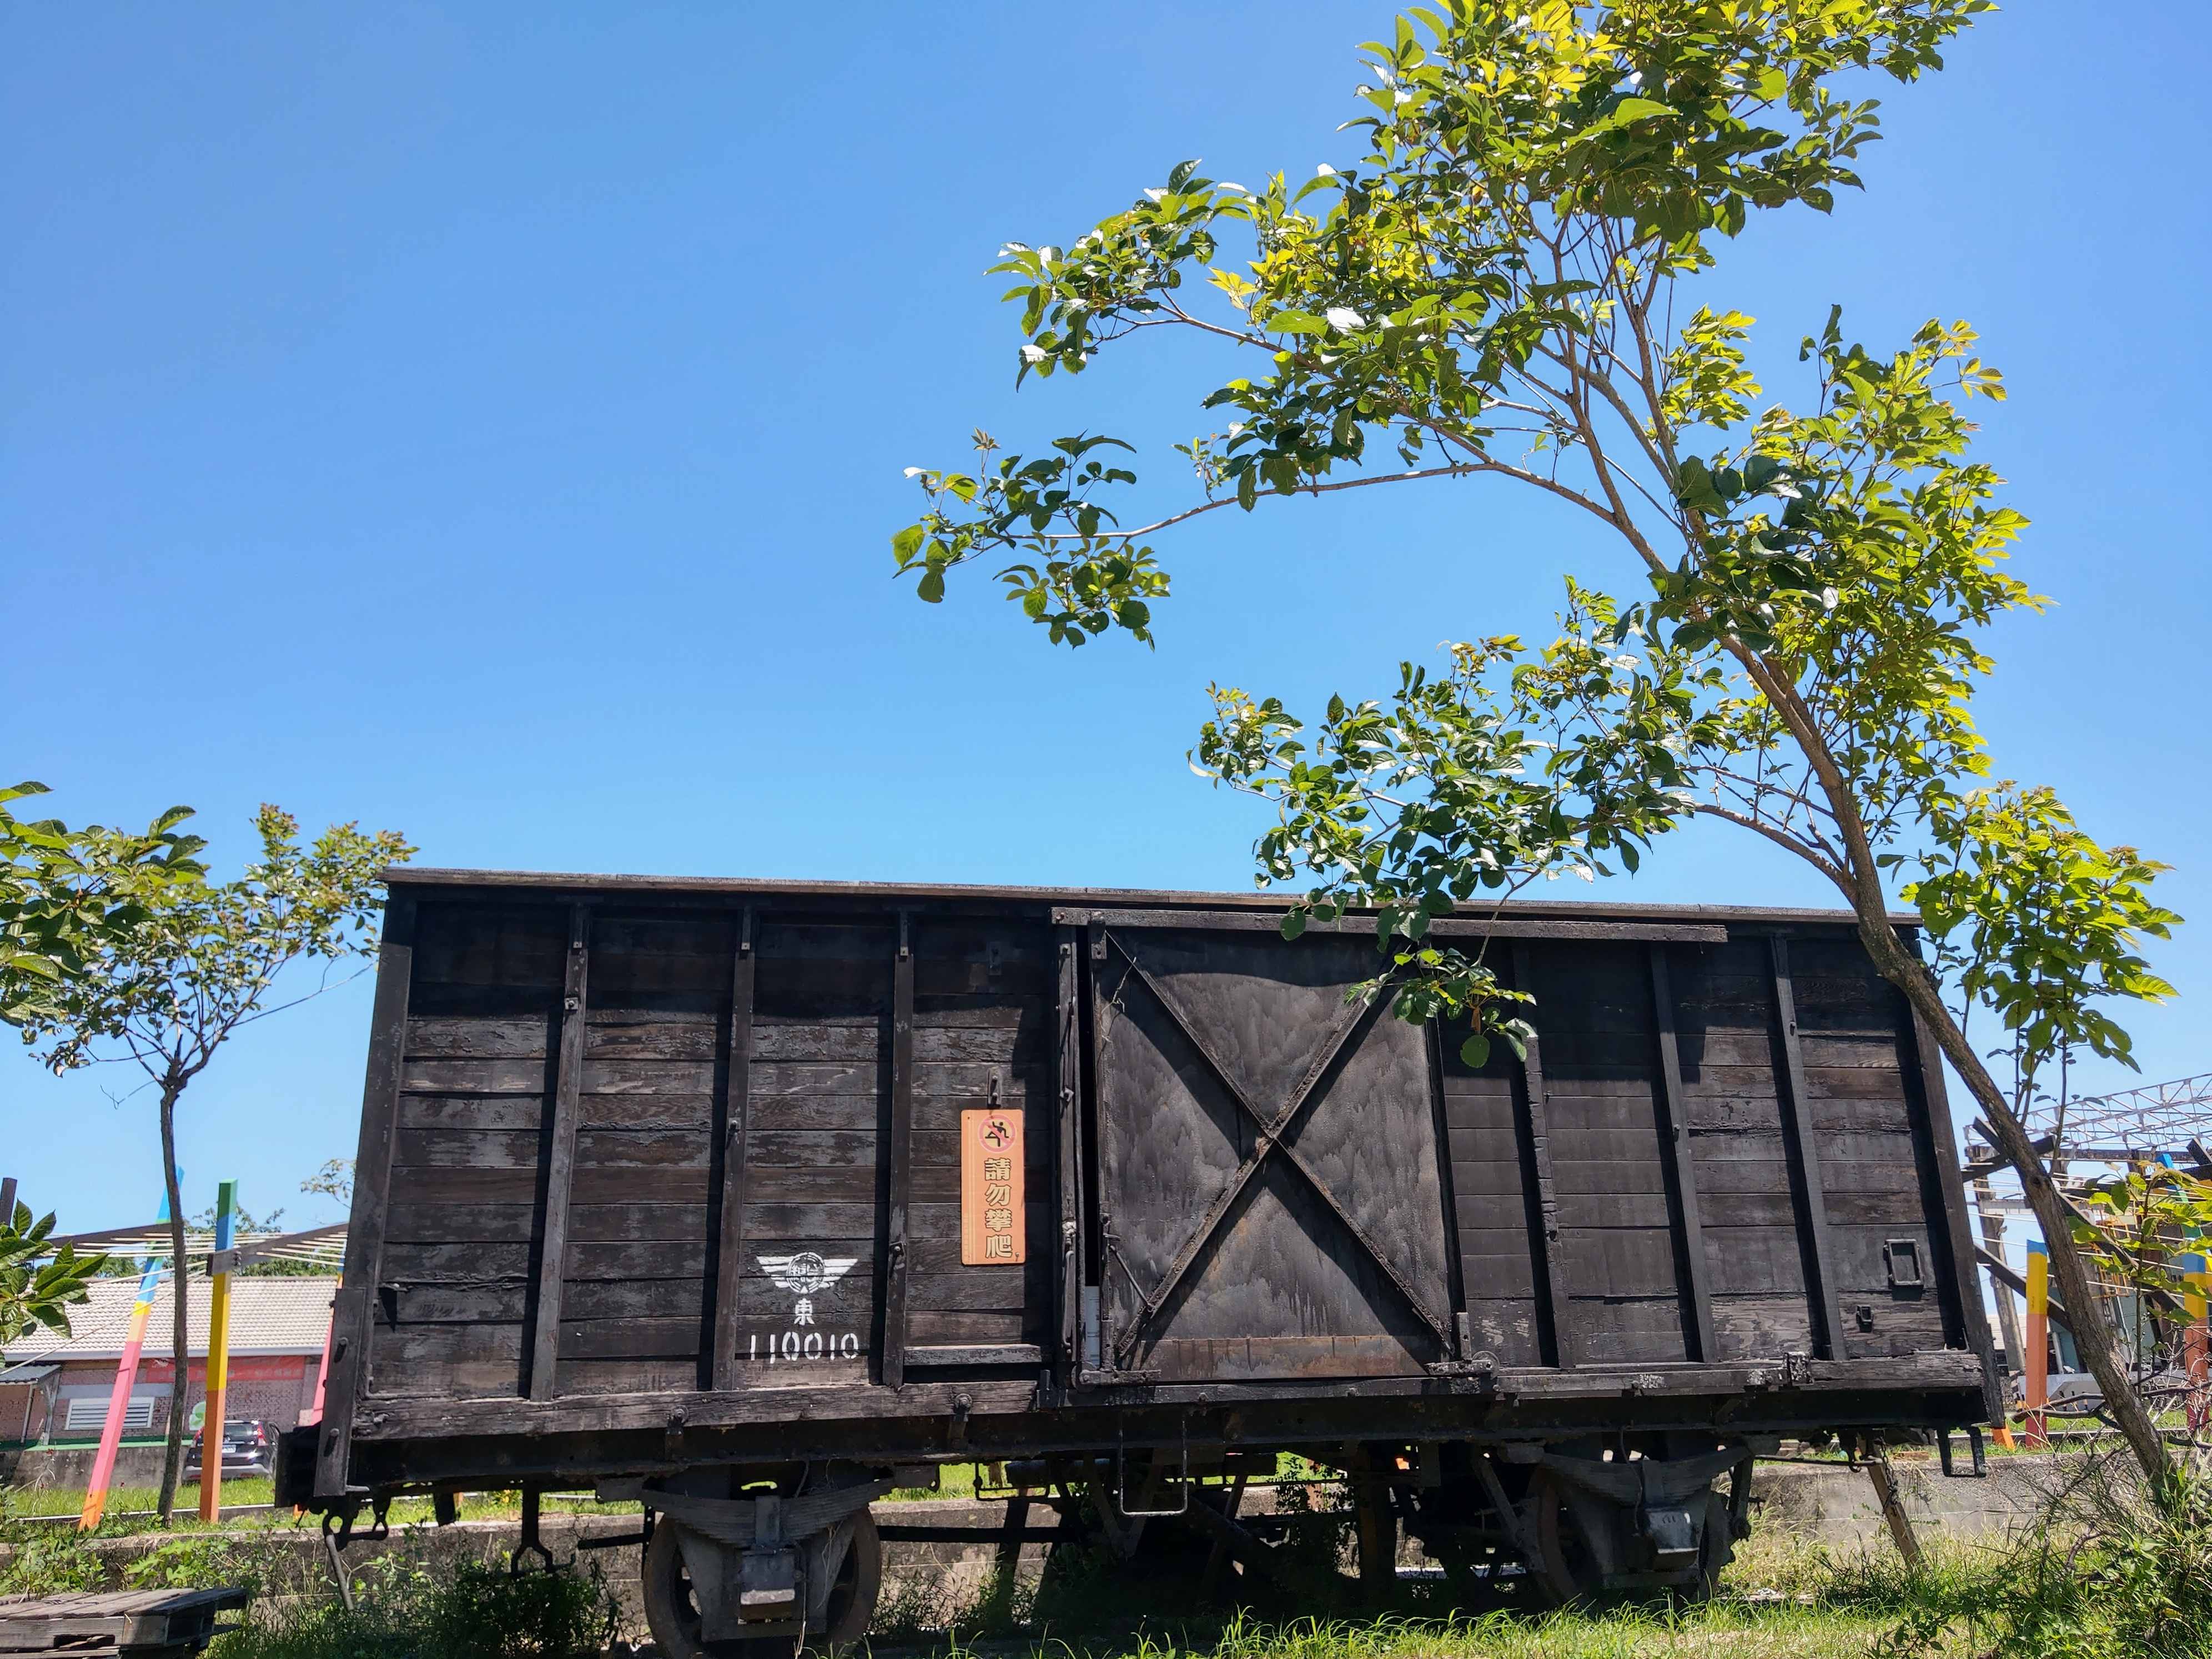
x=1628 y=110
x=907 y=543
x=1475 y=1051
x=1294 y=923
x=1297 y=322
x=931 y=588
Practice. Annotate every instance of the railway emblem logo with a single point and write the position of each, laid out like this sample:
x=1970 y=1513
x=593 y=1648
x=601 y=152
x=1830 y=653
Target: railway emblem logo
x=806 y=1275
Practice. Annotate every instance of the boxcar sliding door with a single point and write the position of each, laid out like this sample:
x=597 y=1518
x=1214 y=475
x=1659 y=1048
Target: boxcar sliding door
x=1269 y=1199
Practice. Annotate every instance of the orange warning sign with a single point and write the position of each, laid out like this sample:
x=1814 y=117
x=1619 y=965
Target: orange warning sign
x=991 y=1229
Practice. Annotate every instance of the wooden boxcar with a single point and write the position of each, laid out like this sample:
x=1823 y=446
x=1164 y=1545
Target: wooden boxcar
x=734 y=1197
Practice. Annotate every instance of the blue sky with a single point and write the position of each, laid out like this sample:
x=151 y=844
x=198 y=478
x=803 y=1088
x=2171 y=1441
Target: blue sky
x=489 y=422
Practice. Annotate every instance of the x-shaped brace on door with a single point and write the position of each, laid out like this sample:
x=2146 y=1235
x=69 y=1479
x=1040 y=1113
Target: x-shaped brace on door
x=1272 y=1134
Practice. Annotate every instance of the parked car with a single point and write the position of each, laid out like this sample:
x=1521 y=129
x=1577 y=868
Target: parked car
x=246 y=1449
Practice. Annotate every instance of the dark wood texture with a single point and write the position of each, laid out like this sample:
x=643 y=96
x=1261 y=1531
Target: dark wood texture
x=984 y=1008
x=1962 y=1283
x=737 y=1120
x=352 y=1315
x=1681 y=1167
x=1290 y=1199
x=1503 y=926
x=1798 y=1131
x=560 y=1162
x=1268 y=1155
x=1067 y=1079
x=1551 y=1258
x=895 y=1325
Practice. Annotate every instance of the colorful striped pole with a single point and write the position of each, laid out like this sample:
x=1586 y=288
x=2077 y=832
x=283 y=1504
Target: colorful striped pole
x=2033 y=1421
x=218 y=1357
x=126 y=1378
x=2197 y=1341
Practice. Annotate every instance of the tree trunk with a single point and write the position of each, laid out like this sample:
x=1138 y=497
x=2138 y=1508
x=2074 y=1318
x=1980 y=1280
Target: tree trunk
x=179 y=1348
x=2093 y=1326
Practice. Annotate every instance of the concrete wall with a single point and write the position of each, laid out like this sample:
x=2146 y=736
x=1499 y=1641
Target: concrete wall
x=1837 y=1506
x=44 y=1468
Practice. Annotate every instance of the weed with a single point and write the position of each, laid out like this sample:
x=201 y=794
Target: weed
x=2111 y=1572
x=410 y=1609
x=49 y=1561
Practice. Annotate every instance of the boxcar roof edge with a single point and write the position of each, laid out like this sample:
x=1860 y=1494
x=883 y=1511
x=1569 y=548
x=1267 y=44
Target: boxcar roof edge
x=573 y=883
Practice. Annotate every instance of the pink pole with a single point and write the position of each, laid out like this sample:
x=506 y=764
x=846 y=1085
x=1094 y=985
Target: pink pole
x=323 y=1372
x=118 y=1400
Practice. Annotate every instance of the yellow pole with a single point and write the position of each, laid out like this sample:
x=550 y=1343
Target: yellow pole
x=218 y=1357
x=2033 y=1421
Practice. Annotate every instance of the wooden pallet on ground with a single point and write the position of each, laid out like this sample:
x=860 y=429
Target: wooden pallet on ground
x=157 y=1624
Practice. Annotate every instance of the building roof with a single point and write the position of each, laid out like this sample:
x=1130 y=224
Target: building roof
x=272 y=1316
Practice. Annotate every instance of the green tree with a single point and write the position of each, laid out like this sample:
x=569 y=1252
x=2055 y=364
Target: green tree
x=1490 y=292
x=56 y=905
x=195 y=961
x=38 y=1282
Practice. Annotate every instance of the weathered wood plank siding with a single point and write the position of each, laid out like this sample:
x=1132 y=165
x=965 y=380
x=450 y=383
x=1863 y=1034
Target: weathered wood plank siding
x=1725 y=1038
x=466 y=1202
x=1876 y=1167
x=1619 y=1233
x=983 y=1008
x=643 y=1143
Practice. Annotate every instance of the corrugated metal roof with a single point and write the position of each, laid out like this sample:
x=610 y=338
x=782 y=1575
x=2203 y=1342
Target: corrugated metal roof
x=27 y=1373
x=267 y=1316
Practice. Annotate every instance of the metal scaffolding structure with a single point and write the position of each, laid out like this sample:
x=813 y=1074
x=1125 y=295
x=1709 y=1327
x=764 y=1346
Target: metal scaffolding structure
x=319 y=1247
x=2157 y=1119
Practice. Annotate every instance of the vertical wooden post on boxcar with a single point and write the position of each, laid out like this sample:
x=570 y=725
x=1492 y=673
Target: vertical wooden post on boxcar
x=1563 y=1346
x=1943 y=1189
x=736 y=1115
x=218 y=1353
x=561 y=1159
x=353 y=1310
x=1067 y=1074
x=900 y=1152
x=2034 y=1425
x=1797 y=1132
x=1682 y=1166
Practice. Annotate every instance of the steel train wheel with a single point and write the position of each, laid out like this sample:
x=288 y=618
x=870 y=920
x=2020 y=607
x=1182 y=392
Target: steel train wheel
x=673 y=1616
x=1716 y=1549
x=1565 y=1565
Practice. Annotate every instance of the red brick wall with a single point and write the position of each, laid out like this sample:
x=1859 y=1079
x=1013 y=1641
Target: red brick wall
x=274 y=1388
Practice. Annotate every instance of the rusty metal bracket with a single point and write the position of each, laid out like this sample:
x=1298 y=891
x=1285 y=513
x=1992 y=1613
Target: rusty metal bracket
x=529 y=1543
x=1122 y=1476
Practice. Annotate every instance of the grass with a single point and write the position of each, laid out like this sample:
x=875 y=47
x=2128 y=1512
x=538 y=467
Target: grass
x=2108 y=1575
x=1781 y=1601
x=129 y=1507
